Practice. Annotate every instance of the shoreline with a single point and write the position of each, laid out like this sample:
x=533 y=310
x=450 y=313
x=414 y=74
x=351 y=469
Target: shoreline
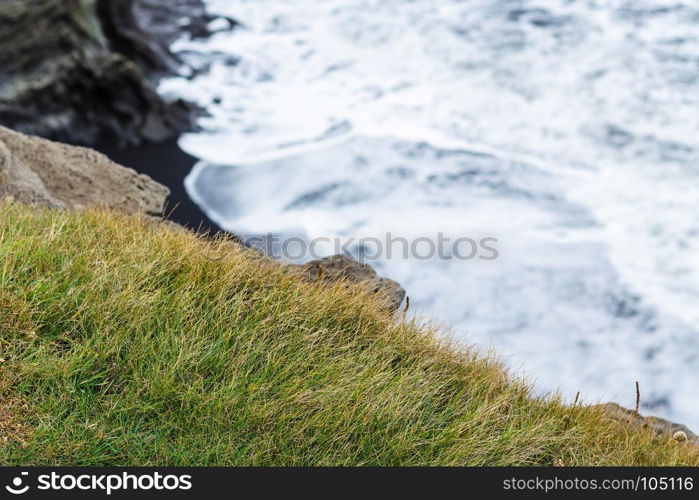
x=168 y=164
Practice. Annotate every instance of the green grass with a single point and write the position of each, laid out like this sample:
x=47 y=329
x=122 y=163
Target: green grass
x=124 y=342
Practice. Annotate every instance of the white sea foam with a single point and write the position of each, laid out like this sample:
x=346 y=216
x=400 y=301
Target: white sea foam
x=567 y=129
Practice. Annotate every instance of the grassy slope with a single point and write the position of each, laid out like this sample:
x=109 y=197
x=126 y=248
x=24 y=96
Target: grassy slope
x=123 y=343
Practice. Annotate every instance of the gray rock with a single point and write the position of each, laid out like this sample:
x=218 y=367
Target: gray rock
x=341 y=267
x=35 y=170
x=660 y=426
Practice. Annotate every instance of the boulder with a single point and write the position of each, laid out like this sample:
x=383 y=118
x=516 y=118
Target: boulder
x=341 y=267
x=35 y=170
x=660 y=426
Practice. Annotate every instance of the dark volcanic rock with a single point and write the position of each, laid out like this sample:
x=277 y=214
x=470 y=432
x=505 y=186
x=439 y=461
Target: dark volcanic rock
x=81 y=71
x=143 y=30
x=341 y=267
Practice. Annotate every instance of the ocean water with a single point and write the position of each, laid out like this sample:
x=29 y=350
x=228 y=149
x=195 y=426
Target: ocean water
x=568 y=130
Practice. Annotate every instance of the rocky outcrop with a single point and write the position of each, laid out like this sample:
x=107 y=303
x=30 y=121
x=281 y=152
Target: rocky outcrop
x=660 y=426
x=35 y=170
x=341 y=267
x=83 y=71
